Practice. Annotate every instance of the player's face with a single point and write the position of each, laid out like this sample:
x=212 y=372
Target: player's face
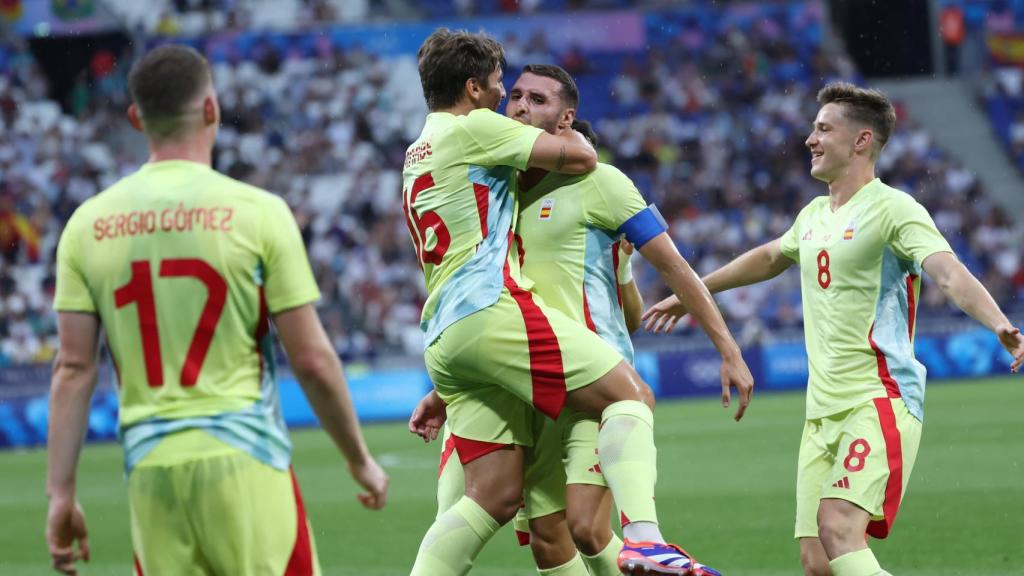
x=536 y=100
x=831 y=143
x=493 y=93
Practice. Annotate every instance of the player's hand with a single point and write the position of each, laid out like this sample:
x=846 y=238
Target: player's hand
x=428 y=417
x=735 y=373
x=663 y=316
x=65 y=523
x=1011 y=339
x=626 y=247
x=370 y=476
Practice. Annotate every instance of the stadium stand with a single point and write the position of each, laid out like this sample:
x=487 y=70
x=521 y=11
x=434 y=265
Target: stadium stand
x=708 y=119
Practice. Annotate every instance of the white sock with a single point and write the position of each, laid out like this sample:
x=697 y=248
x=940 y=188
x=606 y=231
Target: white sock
x=643 y=532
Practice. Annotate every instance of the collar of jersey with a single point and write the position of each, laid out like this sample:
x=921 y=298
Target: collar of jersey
x=166 y=164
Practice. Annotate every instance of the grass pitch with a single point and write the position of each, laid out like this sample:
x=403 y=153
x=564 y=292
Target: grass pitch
x=725 y=492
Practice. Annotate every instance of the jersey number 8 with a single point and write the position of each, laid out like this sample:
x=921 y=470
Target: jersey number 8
x=824 y=275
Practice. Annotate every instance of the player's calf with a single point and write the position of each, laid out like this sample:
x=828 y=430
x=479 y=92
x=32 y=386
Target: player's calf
x=813 y=558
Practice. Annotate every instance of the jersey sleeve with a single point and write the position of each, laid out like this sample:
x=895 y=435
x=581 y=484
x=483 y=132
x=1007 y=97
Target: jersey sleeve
x=288 y=278
x=72 y=293
x=789 y=243
x=490 y=139
x=910 y=231
x=614 y=199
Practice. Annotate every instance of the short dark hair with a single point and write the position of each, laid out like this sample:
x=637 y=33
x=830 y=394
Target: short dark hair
x=865 y=106
x=163 y=85
x=448 y=58
x=584 y=128
x=570 y=93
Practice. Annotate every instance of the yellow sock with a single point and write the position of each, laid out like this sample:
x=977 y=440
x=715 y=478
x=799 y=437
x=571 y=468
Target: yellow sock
x=574 y=567
x=605 y=562
x=859 y=563
x=454 y=540
x=625 y=446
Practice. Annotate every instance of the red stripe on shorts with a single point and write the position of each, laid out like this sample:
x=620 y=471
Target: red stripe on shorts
x=449 y=447
x=470 y=450
x=523 y=538
x=138 y=566
x=301 y=562
x=545 y=354
x=892 y=389
x=894 y=454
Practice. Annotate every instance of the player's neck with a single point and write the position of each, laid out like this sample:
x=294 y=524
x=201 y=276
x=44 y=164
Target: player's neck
x=463 y=108
x=189 y=151
x=842 y=189
x=531 y=178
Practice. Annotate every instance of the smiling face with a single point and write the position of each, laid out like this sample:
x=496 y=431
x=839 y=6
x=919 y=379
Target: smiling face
x=834 y=142
x=537 y=101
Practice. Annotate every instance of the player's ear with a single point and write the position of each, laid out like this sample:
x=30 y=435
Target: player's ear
x=568 y=116
x=209 y=111
x=865 y=140
x=133 y=117
x=472 y=88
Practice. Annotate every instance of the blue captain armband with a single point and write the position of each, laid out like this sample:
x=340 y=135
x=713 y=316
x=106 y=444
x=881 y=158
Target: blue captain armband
x=643 y=226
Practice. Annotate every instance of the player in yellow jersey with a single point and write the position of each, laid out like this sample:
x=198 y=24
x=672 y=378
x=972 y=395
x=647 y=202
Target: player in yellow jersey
x=861 y=250
x=569 y=234
x=492 y=345
x=184 y=269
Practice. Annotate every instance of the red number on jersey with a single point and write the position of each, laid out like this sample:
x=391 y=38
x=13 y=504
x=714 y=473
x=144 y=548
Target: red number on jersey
x=140 y=291
x=419 y=224
x=824 y=275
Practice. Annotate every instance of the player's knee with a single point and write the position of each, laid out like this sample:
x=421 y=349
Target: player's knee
x=506 y=504
x=647 y=395
x=835 y=531
x=547 y=551
x=501 y=502
x=590 y=538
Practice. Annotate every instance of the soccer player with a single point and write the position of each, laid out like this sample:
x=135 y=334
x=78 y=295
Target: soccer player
x=184 y=269
x=492 y=345
x=861 y=250
x=569 y=231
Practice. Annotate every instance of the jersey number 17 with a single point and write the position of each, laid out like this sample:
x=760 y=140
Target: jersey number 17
x=139 y=290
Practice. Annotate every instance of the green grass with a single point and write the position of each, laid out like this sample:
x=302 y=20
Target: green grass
x=725 y=491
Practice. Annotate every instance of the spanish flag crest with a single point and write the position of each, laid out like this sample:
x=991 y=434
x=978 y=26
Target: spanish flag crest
x=546 y=207
x=848 y=233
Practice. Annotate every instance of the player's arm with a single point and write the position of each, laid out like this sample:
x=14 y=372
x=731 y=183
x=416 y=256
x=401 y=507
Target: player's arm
x=567 y=153
x=661 y=252
x=491 y=139
x=756 y=265
x=960 y=286
x=632 y=300
x=71 y=388
x=318 y=370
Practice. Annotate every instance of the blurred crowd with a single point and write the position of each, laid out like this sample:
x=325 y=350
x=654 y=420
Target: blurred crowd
x=709 y=122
